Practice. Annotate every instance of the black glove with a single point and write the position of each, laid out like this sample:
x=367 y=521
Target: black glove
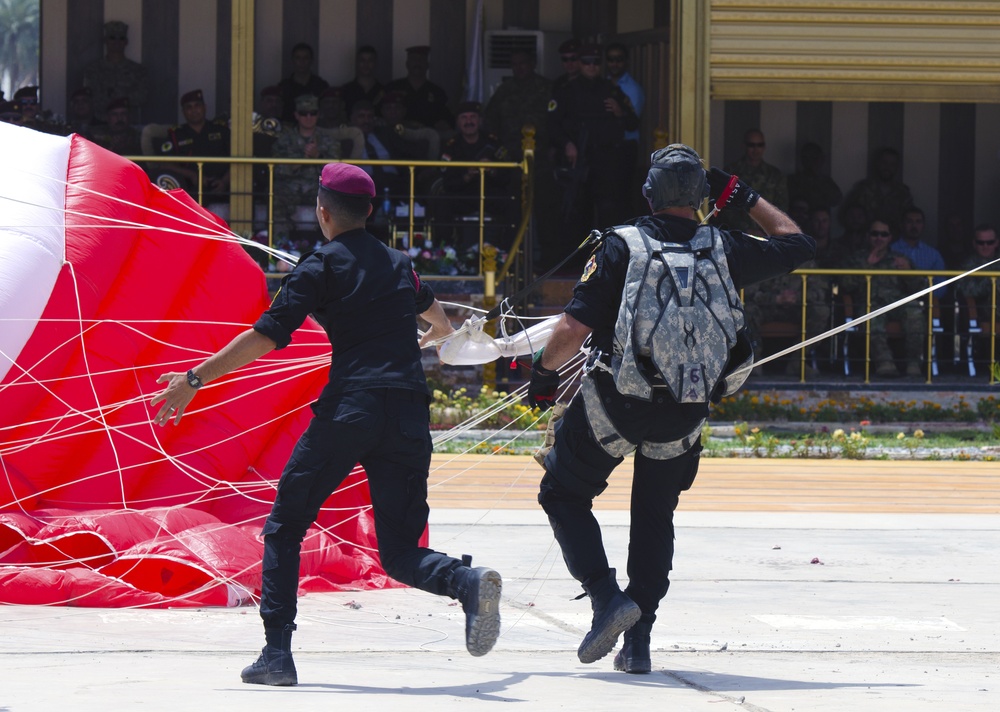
x=728 y=191
x=543 y=386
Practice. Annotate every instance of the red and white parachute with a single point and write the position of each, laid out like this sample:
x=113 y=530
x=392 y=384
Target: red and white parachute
x=106 y=282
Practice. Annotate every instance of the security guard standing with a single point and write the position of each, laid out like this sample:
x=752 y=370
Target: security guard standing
x=659 y=300
x=588 y=118
x=374 y=410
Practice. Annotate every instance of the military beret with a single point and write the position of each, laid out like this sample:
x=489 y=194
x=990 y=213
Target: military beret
x=570 y=46
x=348 y=179
x=306 y=102
x=419 y=49
x=115 y=28
x=30 y=92
x=590 y=50
x=333 y=93
x=120 y=102
x=195 y=95
x=394 y=97
x=273 y=90
x=468 y=107
x=82 y=92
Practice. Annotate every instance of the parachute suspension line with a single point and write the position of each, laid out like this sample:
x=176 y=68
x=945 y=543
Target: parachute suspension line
x=872 y=314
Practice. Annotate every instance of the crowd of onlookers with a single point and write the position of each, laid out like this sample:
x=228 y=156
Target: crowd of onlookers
x=586 y=159
x=881 y=229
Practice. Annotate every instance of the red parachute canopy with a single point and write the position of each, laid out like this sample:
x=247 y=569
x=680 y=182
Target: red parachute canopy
x=106 y=282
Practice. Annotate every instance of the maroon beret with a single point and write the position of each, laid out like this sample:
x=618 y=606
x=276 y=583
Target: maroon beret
x=394 y=97
x=571 y=46
x=348 y=179
x=119 y=103
x=467 y=107
x=195 y=95
x=30 y=92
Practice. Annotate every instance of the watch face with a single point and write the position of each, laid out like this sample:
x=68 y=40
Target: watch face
x=193 y=380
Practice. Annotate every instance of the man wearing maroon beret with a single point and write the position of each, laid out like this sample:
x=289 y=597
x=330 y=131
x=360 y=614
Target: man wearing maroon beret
x=373 y=410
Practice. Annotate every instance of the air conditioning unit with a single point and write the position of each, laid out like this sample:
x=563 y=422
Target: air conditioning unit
x=500 y=44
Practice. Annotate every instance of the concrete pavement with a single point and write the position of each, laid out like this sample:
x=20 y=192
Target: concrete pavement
x=901 y=613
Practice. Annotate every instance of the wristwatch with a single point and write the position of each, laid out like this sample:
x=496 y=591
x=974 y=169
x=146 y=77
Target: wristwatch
x=193 y=380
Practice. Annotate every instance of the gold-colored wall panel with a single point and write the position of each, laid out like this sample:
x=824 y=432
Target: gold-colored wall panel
x=888 y=50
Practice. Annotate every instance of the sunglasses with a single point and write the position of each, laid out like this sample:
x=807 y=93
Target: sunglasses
x=760 y=144
x=569 y=57
x=307 y=113
x=986 y=243
x=590 y=61
x=879 y=233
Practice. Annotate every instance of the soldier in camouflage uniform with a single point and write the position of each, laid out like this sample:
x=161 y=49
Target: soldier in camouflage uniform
x=885 y=290
x=647 y=390
x=882 y=195
x=118 y=135
x=296 y=185
x=975 y=294
x=763 y=177
x=115 y=76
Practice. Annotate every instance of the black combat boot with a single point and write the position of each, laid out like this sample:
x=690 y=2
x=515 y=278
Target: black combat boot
x=614 y=613
x=634 y=655
x=275 y=665
x=479 y=592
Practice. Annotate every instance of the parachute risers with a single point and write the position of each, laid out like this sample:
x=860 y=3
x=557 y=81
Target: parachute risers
x=470 y=345
x=98 y=507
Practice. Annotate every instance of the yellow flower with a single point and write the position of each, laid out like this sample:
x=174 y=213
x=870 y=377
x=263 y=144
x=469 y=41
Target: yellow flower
x=900 y=436
x=918 y=433
x=754 y=430
x=838 y=433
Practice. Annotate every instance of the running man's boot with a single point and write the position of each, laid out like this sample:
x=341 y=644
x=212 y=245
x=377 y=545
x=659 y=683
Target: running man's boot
x=634 y=655
x=614 y=613
x=479 y=592
x=275 y=665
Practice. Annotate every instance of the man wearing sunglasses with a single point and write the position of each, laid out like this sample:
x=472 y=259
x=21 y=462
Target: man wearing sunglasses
x=569 y=55
x=114 y=75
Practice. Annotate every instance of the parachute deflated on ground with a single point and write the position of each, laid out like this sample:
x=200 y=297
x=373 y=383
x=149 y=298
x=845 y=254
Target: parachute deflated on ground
x=106 y=282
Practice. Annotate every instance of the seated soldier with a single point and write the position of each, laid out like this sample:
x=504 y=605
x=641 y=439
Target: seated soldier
x=458 y=206
x=118 y=135
x=198 y=138
x=975 y=299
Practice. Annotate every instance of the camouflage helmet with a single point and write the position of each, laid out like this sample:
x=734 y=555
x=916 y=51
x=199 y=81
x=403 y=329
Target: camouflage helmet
x=676 y=178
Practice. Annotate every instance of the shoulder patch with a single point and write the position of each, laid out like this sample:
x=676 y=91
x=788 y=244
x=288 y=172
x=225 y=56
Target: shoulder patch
x=552 y=104
x=167 y=147
x=589 y=269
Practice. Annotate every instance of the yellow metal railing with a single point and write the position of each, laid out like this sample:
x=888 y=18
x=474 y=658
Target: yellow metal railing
x=988 y=324
x=271 y=163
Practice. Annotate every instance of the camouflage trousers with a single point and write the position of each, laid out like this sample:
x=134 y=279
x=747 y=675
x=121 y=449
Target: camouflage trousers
x=913 y=321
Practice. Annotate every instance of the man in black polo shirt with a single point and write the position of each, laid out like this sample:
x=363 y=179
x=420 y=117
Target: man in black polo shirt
x=200 y=138
x=373 y=410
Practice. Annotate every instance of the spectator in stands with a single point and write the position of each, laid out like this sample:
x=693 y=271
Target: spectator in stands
x=954 y=242
x=365 y=84
x=569 y=54
x=885 y=290
x=295 y=185
x=198 y=137
x=426 y=102
x=461 y=186
x=761 y=176
x=976 y=299
x=521 y=99
x=118 y=135
x=813 y=184
x=616 y=61
x=271 y=104
x=80 y=119
x=882 y=194
x=115 y=76
x=332 y=110
x=300 y=81
x=854 y=221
